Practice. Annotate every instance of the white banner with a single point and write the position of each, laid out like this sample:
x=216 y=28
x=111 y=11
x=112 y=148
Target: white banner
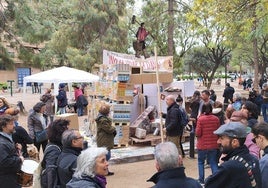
x=165 y=63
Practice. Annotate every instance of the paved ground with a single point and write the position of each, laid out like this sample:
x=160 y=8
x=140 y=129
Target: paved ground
x=130 y=175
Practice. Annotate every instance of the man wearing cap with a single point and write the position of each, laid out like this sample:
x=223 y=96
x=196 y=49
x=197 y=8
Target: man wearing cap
x=239 y=168
x=260 y=133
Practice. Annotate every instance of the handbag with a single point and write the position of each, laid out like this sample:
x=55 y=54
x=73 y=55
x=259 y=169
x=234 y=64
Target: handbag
x=41 y=136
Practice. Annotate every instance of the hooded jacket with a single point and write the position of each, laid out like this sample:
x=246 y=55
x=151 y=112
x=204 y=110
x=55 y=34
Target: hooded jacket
x=105 y=132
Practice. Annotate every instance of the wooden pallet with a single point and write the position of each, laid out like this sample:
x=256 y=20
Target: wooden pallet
x=120 y=123
x=154 y=140
x=120 y=145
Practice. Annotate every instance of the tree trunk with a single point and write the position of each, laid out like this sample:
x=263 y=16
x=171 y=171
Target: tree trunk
x=255 y=51
x=170 y=27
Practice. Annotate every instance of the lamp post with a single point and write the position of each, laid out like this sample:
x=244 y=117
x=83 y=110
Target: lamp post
x=11 y=89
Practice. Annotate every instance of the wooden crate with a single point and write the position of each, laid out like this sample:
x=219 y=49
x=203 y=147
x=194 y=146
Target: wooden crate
x=140 y=119
x=122 y=134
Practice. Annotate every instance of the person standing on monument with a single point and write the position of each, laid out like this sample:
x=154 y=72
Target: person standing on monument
x=141 y=35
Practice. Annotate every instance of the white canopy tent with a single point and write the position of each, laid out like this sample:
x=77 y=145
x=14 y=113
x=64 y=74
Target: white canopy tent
x=60 y=75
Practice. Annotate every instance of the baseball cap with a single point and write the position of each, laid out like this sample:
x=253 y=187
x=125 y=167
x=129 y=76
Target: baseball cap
x=238 y=116
x=232 y=129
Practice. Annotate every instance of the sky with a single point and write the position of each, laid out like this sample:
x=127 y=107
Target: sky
x=137 y=7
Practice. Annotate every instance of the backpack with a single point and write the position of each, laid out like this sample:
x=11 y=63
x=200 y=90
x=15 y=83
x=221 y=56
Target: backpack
x=49 y=173
x=184 y=117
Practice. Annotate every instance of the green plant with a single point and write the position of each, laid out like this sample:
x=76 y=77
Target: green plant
x=3 y=86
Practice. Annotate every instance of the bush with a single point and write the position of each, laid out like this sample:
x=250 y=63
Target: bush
x=3 y=86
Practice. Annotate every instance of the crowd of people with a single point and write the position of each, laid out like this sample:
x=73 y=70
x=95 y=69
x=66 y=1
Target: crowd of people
x=63 y=160
x=230 y=138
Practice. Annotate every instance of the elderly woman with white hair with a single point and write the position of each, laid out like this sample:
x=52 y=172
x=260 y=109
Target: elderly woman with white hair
x=92 y=167
x=237 y=96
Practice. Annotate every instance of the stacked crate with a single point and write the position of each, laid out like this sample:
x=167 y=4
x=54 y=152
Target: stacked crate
x=121 y=110
x=121 y=119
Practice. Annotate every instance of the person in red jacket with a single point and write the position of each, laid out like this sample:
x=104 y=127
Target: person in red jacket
x=207 y=146
x=141 y=36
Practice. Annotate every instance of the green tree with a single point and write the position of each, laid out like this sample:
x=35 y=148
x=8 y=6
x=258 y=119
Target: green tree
x=167 y=22
x=75 y=32
x=211 y=34
x=245 y=21
x=200 y=61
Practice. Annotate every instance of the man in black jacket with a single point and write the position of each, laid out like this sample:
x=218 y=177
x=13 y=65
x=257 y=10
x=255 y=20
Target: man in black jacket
x=173 y=123
x=72 y=142
x=10 y=158
x=228 y=95
x=239 y=168
x=62 y=99
x=170 y=169
x=21 y=136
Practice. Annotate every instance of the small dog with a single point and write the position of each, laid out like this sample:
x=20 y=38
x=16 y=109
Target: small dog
x=33 y=152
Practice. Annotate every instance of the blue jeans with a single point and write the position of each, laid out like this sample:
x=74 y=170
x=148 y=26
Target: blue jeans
x=108 y=155
x=211 y=156
x=80 y=111
x=62 y=110
x=264 y=108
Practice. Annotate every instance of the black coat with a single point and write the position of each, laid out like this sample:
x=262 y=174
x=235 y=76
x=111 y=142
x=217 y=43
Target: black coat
x=173 y=178
x=173 y=121
x=228 y=94
x=62 y=98
x=233 y=174
x=10 y=163
x=66 y=164
x=51 y=155
x=22 y=137
x=194 y=108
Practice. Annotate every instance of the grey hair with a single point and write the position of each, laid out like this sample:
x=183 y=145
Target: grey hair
x=167 y=155
x=237 y=95
x=86 y=161
x=172 y=97
x=67 y=137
